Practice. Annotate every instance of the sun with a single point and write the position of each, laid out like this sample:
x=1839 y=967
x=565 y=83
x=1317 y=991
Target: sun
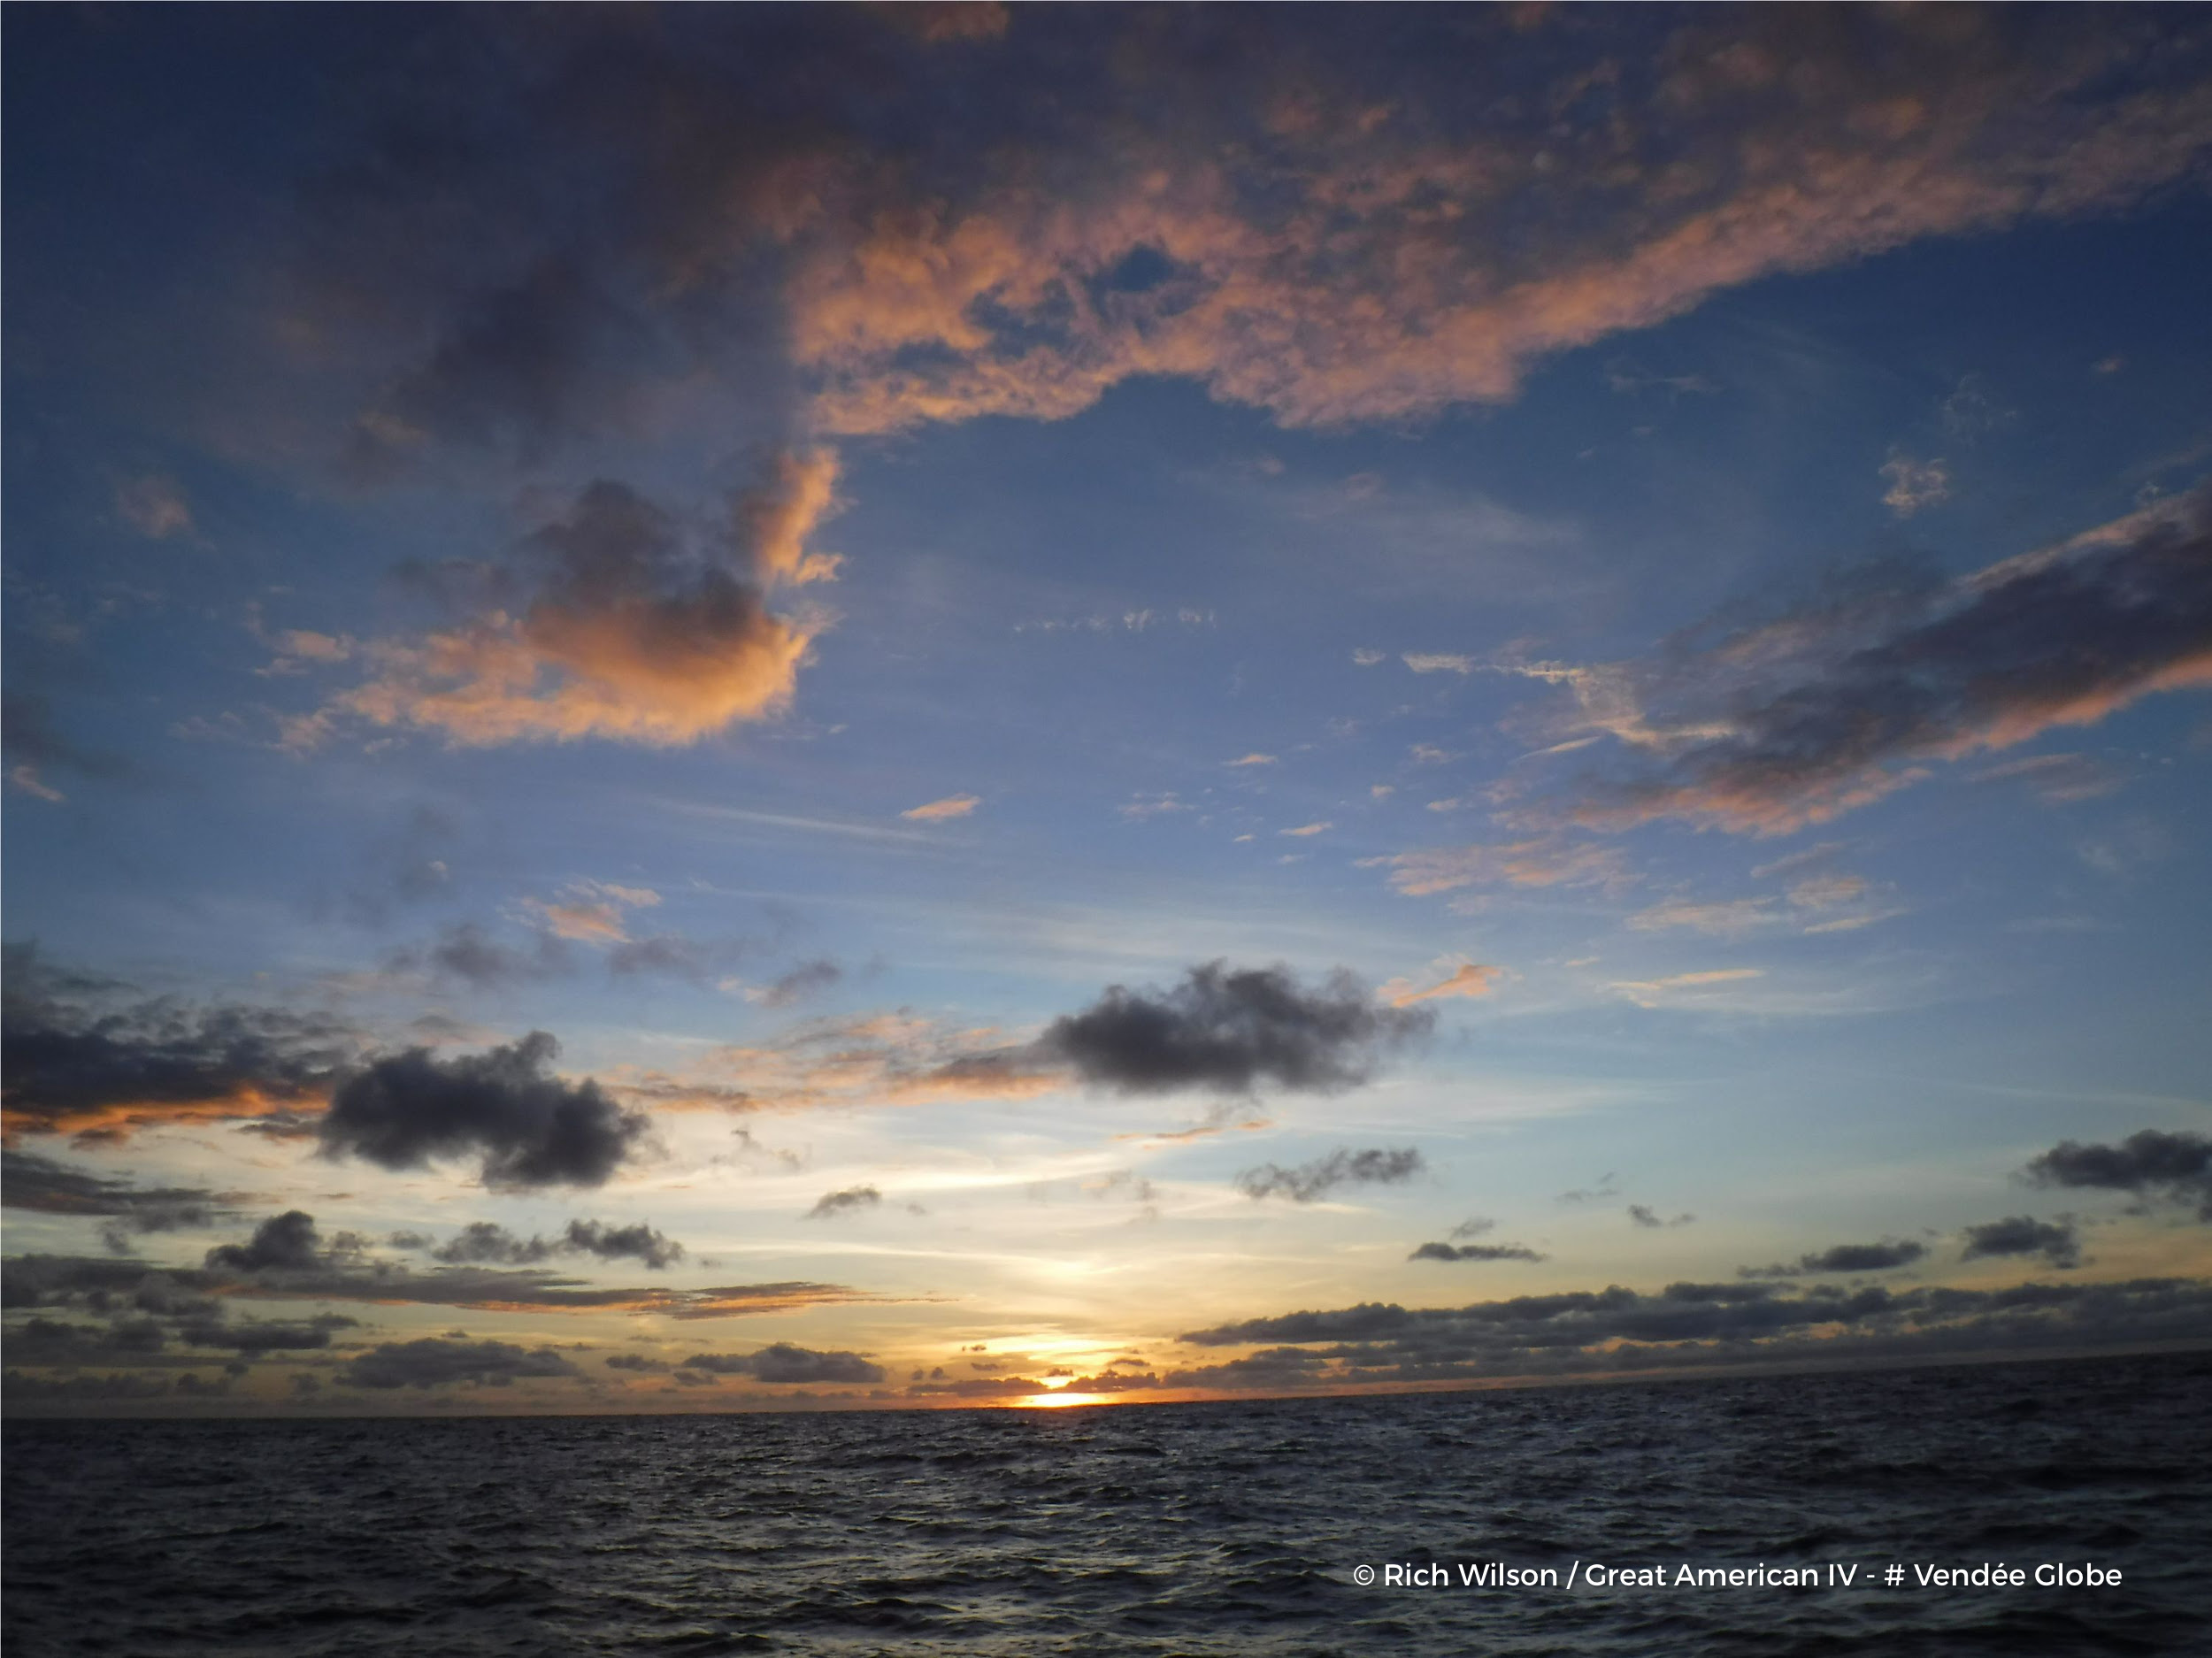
x=1054 y=1402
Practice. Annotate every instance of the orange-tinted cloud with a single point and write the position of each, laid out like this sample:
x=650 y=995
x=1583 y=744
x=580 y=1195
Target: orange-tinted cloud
x=1542 y=861
x=1467 y=979
x=1335 y=252
x=938 y=810
x=633 y=632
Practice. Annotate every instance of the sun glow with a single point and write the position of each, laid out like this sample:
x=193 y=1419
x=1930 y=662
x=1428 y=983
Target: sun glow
x=1054 y=1401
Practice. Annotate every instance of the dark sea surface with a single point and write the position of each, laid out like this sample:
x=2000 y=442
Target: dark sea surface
x=1231 y=1529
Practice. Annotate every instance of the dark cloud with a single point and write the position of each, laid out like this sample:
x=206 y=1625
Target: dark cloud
x=257 y=1336
x=1305 y=1183
x=666 y=954
x=781 y=1363
x=1885 y=1257
x=79 y=1056
x=1692 y=1324
x=1271 y=1367
x=805 y=980
x=1604 y=1188
x=1855 y=695
x=435 y=1362
x=485 y=1242
x=467 y=953
x=638 y=1241
x=528 y=1126
x=158 y=1336
x=830 y=1204
x=285 y=1242
x=2056 y=1241
x=2176 y=1167
x=1231 y=1028
x=523 y=364
x=21 y=1388
x=1644 y=1215
x=65 y=1342
x=31 y=1182
x=1475 y=1251
x=979 y=1387
x=287 y=1258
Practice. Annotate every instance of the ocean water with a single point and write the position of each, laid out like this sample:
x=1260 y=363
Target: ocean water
x=1229 y=1529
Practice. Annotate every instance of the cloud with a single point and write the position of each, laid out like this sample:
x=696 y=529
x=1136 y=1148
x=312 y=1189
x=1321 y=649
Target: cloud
x=945 y=22
x=938 y=810
x=287 y=1258
x=592 y=912
x=1730 y=919
x=880 y=1059
x=1690 y=1324
x=1436 y=662
x=1885 y=1257
x=79 y=1058
x=850 y=1201
x=1229 y=1029
x=618 y=625
x=31 y=1182
x=466 y=952
x=1604 y=1188
x=505 y=1106
x=1475 y=1251
x=781 y=1363
x=1913 y=484
x=1541 y=861
x=285 y=1242
x=2056 y=1241
x=2176 y=1167
x=481 y=1242
x=436 y=1362
x=1254 y=758
x=155 y=506
x=1773 y=726
x=2058 y=780
x=1308 y=829
x=1644 y=1215
x=797 y=984
x=1660 y=993
x=33 y=748
x=1312 y=1181
x=1328 y=224
x=669 y=953
x=1466 y=978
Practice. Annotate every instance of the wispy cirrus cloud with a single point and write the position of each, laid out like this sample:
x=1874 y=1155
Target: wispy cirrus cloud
x=1658 y=993
x=939 y=811
x=1541 y=861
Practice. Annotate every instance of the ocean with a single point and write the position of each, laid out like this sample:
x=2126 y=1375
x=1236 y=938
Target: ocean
x=1237 y=1529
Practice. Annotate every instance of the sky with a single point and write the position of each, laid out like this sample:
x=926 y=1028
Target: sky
x=802 y=708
